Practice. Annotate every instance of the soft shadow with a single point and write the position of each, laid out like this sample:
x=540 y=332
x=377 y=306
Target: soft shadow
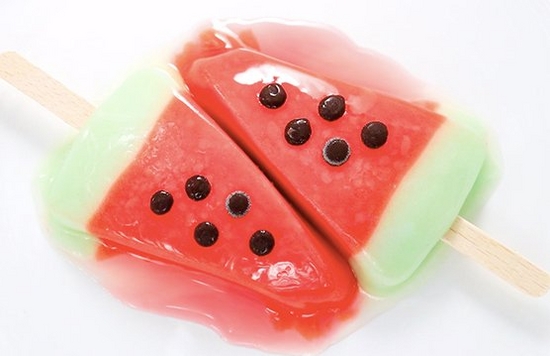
x=30 y=122
x=528 y=315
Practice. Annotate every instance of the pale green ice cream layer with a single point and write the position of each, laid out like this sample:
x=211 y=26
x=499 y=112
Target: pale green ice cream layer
x=452 y=177
x=79 y=175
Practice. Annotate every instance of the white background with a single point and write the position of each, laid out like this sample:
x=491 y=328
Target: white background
x=491 y=56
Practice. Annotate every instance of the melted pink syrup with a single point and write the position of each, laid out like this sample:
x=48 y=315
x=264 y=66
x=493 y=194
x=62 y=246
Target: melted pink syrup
x=326 y=51
x=162 y=288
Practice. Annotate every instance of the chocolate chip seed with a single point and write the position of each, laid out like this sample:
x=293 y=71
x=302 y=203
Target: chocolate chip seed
x=161 y=202
x=272 y=96
x=262 y=242
x=332 y=107
x=336 y=151
x=206 y=234
x=237 y=204
x=298 y=131
x=197 y=187
x=374 y=134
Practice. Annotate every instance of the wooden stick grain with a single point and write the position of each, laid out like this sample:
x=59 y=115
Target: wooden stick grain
x=44 y=89
x=463 y=236
x=505 y=263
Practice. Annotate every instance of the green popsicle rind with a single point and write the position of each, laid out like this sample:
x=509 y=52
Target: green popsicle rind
x=79 y=175
x=422 y=209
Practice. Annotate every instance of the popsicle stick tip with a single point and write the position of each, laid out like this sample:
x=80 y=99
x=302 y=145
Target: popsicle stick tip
x=44 y=89
x=515 y=269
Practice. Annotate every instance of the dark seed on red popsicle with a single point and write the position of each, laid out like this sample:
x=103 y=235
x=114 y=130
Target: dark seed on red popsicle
x=298 y=131
x=197 y=187
x=336 y=151
x=272 y=96
x=237 y=204
x=374 y=134
x=262 y=242
x=332 y=107
x=206 y=234
x=161 y=202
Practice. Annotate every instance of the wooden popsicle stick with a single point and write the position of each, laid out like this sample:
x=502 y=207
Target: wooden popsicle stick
x=470 y=240
x=44 y=89
x=462 y=236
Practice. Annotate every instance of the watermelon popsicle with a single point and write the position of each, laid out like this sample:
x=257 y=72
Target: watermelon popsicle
x=175 y=219
x=386 y=178
x=144 y=273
